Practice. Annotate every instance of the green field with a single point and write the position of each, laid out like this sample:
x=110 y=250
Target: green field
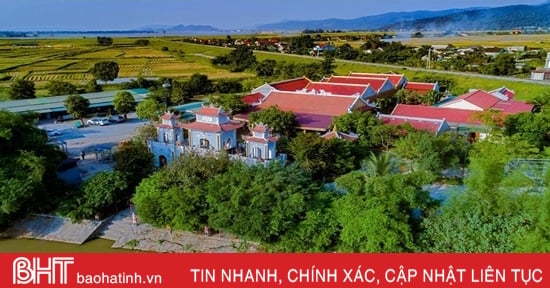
x=44 y=60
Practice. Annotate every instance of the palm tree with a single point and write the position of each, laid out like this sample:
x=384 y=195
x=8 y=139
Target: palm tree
x=380 y=165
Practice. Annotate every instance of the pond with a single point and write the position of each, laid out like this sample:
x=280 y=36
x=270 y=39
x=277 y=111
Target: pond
x=23 y=245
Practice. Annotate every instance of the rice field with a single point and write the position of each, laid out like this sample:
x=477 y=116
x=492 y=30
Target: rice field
x=44 y=60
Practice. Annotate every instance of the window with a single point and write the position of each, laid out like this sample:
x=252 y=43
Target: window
x=204 y=143
x=227 y=144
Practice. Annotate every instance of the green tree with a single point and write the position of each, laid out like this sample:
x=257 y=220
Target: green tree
x=261 y=203
x=92 y=86
x=266 y=68
x=421 y=150
x=104 y=41
x=175 y=195
x=347 y=52
x=280 y=121
x=379 y=165
x=238 y=60
x=327 y=66
x=27 y=175
x=105 y=70
x=77 y=106
x=323 y=158
x=531 y=127
x=226 y=86
x=58 y=88
x=21 y=89
x=148 y=109
x=124 y=103
x=229 y=102
x=102 y=193
x=134 y=161
x=199 y=84
x=491 y=214
x=141 y=42
x=405 y=96
x=146 y=132
x=376 y=213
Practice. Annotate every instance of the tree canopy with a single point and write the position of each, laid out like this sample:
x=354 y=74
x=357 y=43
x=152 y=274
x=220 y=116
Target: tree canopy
x=22 y=89
x=148 y=109
x=124 y=103
x=104 y=41
x=77 y=106
x=27 y=174
x=58 y=88
x=105 y=70
x=280 y=121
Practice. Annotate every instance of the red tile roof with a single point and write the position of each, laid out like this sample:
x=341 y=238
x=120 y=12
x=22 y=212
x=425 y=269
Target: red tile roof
x=291 y=85
x=479 y=98
x=313 y=122
x=395 y=79
x=261 y=140
x=210 y=111
x=375 y=83
x=215 y=128
x=339 y=135
x=420 y=87
x=296 y=102
x=336 y=88
x=513 y=107
x=168 y=116
x=487 y=101
x=449 y=114
x=254 y=98
x=428 y=124
x=260 y=128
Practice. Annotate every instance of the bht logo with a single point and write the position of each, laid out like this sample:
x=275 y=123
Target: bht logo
x=30 y=271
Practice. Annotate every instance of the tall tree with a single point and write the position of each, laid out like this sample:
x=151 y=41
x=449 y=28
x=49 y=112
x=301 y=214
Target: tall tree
x=376 y=213
x=124 y=103
x=134 y=161
x=229 y=102
x=104 y=41
x=105 y=70
x=27 y=175
x=148 y=109
x=77 y=106
x=22 y=89
x=280 y=121
x=58 y=88
x=102 y=194
x=328 y=64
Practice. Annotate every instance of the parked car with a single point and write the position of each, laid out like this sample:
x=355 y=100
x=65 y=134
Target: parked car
x=116 y=119
x=98 y=121
x=52 y=132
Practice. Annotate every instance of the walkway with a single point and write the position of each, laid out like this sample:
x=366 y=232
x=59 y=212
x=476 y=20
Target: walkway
x=47 y=227
x=148 y=238
x=120 y=228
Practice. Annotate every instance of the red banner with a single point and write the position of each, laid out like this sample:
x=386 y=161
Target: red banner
x=274 y=270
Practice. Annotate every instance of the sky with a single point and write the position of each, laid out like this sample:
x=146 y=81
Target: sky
x=71 y=15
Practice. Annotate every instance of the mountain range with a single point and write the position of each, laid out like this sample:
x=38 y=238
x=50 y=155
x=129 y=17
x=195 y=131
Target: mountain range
x=469 y=19
x=478 y=18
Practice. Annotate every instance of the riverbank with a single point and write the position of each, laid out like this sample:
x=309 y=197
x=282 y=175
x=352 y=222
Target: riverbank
x=126 y=235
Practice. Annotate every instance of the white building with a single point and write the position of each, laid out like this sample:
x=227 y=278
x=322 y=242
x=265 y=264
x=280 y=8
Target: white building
x=544 y=73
